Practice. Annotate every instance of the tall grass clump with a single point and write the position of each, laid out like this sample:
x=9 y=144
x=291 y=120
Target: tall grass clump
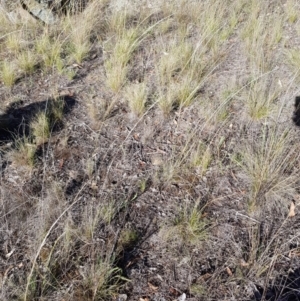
x=24 y=153
x=8 y=73
x=268 y=162
x=27 y=62
x=116 y=66
x=261 y=99
x=189 y=226
x=136 y=95
x=41 y=128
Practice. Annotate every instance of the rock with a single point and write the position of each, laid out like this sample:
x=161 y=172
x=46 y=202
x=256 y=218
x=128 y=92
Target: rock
x=39 y=10
x=122 y=297
x=182 y=297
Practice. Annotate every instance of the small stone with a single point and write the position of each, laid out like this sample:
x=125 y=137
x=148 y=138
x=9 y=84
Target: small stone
x=122 y=297
x=182 y=297
x=157 y=160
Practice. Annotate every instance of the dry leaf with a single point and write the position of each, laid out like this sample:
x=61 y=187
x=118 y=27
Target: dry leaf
x=77 y=66
x=292 y=210
x=7 y=271
x=65 y=93
x=174 y=292
x=205 y=276
x=244 y=263
x=152 y=287
x=144 y=299
x=142 y=164
x=10 y=253
x=161 y=151
x=228 y=271
x=61 y=163
x=94 y=185
x=44 y=254
x=294 y=252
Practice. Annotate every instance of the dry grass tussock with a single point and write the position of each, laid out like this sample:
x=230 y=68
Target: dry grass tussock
x=151 y=153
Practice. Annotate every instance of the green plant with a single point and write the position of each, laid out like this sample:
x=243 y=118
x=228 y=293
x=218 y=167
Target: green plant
x=91 y=218
x=201 y=158
x=261 y=34
x=24 y=153
x=116 y=66
x=261 y=99
x=143 y=185
x=174 y=59
x=56 y=111
x=99 y=109
x=101 y=280
x=12 y=42
x=267 y=162
x=60 y=66
x=198 y=290
x=43 y=44
x=291 y=12
x=32 y=286
x=136 y=95
x=128 y=238
x=167 y=98
x=8 y=74
x=80 y=51
x=168 y=171
x=180 y=73
x=187 y=89
x=50 y=50
x=41 y=128
x=27 y=62
x=108 y=211
x=117 y=21
x=293 y=56
x=189 y=226
x=82 y=29
x=70 y=73
x=115 y=75
x=275 y=30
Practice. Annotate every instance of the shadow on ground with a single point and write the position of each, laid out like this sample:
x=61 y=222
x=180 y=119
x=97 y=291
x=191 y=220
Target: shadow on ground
x=17 y=118
x=296 y=115
x=286 y=288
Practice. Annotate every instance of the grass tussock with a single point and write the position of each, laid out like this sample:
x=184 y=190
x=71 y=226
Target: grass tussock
x=13 y=42
x=27 y=62
x=82 y=29
x=41 y=128
x=136 y=95
x=117 y=65
x=268 y=163
x=24 y=153
x=8 y=73
x=102 y=281
x=261 y=99
x=189 y=227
